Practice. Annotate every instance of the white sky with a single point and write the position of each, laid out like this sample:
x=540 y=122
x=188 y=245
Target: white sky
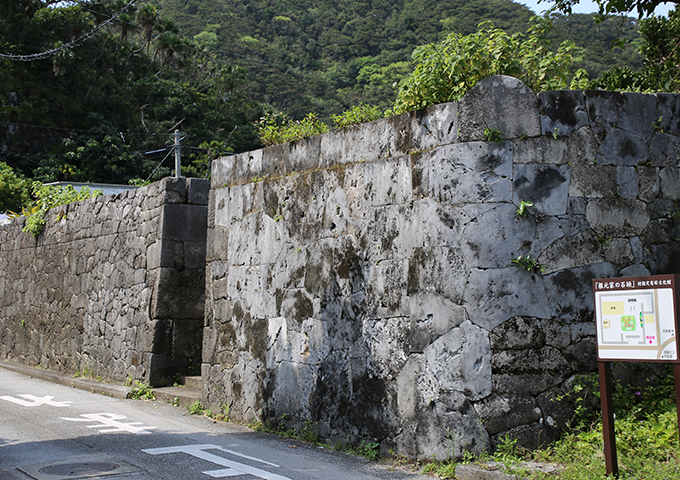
x=586 y=6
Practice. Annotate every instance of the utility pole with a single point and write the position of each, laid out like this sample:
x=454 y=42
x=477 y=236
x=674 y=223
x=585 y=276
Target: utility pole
x=178 y=155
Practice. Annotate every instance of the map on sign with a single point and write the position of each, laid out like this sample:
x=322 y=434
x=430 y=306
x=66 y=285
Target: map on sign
x=636 y=323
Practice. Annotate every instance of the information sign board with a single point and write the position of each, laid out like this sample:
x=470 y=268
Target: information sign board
x=636 y=319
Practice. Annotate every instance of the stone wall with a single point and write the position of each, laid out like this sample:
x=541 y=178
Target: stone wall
x=113 y=287
x=362 y=280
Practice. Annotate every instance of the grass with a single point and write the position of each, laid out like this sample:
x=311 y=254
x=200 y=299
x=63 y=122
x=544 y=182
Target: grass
x=646 y=439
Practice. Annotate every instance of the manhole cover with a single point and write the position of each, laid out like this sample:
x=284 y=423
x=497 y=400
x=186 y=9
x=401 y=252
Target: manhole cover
x=78 y=469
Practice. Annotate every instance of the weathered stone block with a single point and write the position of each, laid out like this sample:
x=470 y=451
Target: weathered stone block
x=562 y=111
x=501 y=103
x=623 y=147
x=546 y=186
x=495 y=295
x=593 y=181
x=670 y=183
x=617 y=217
x=465 y=173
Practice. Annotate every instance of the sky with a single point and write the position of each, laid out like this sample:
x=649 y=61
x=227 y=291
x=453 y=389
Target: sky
x=585 y=6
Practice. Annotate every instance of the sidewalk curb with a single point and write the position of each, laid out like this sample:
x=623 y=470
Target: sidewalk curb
x=93 y=386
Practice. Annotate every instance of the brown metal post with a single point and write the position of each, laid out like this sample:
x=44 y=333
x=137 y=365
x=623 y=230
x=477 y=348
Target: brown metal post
x=611 y=461
x=676 y=378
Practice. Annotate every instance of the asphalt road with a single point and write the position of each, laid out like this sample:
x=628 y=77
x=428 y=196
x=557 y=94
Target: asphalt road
x=50 y=431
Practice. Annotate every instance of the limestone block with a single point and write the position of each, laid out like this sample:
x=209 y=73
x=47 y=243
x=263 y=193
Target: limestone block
x=635 y=271
x=664 y=150
x=256 y=240
x=198 y=191
x=492 y=296
x=612 y=217
x=570 y=291
x=502 y=103
x=668 y=114
x=465 y=173
x=173 y=190
x=663 y=258
x=541 y=150
x=178 y=294
x=247 y=285
x=360 y=143
x=639 y=114
x=184 y=222
x=386 y=348
x=407 y=399
x=627 y=182
x=582 y=356
x=437 y=125
x=503 y=412
x=531 y=372
x=442 y=270
x=385 y=182
x=518 y=333
x=593 y=181
x=496 y=236
x=432 y=224
x=550 y=229
x=618 y=251
x=431 y=317
x=546 y=186
x=562 y=111
x=622 y=147
x=648 y=183
x=603 y=107
x=290 y=340
x=386 y=288
x=461 y=361
x=449 y=428
x=573 y=251
x=557 y=333
x=393 y=231
x=670 y=183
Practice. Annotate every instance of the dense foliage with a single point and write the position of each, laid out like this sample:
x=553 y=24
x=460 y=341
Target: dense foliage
x=444 y=72
x=661 y=53
x=323 y=56
x=89 y=112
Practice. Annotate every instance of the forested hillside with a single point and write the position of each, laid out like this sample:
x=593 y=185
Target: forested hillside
x=88 y=88
x=324 y=56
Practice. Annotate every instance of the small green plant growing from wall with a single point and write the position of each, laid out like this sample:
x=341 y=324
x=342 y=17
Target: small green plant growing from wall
x=523 y=209
x=493 y=135
x=527 y=263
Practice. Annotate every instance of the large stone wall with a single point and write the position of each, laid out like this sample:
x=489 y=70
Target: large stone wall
x=362 y=280
x=114 y=286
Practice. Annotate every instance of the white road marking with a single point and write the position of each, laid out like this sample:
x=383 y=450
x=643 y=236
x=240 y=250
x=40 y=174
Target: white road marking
x=35 y=401
x=110 y=420
x=233 y=468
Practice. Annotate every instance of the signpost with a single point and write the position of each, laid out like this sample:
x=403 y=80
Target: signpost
x=636 y=320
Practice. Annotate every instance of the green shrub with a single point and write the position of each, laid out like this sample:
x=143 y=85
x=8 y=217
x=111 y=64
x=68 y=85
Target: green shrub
x=50 y=196
x=446 y=71
x=275 y=128
x=357 y=114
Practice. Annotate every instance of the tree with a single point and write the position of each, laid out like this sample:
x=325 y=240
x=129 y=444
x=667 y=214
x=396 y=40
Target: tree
x=643 y=7
x=14 y=190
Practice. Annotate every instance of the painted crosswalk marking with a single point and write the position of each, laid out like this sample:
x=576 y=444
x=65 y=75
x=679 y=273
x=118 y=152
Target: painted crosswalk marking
x=33 y=401
x=108 y=423
x=232 y=468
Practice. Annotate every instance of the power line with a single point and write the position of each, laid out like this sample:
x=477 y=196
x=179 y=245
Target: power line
x=77 y=41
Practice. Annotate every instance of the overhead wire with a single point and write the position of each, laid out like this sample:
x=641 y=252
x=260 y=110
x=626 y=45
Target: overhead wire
x=77 y=41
